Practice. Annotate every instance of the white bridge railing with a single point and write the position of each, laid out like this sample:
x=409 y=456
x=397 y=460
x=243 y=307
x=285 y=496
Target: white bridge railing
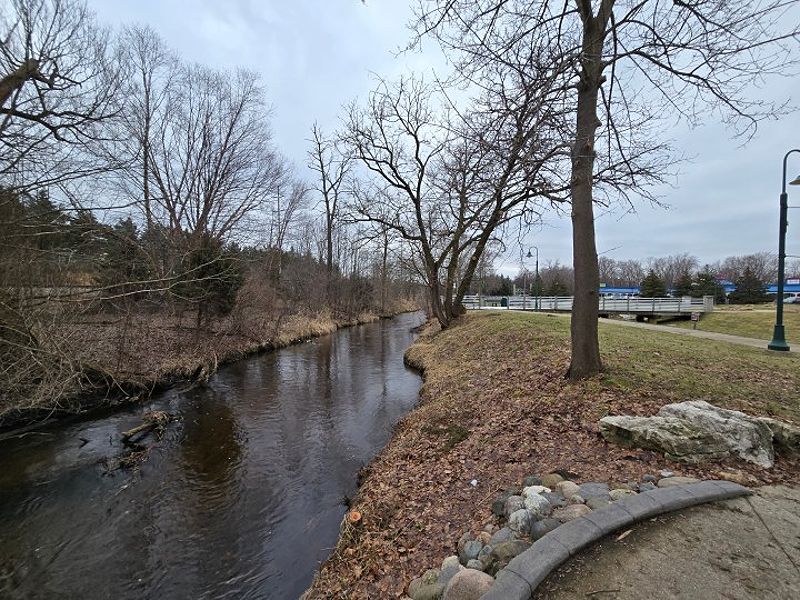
x=677 y=306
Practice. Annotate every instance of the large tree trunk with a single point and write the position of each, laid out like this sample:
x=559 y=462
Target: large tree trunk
x=583 y=328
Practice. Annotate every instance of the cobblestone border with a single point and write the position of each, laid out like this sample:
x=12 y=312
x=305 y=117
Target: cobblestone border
x=522 y=576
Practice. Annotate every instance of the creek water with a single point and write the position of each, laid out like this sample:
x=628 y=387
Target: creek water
x=241 y=498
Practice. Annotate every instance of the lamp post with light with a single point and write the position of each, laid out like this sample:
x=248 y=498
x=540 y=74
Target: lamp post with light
x=778 y=335
x=536 y=281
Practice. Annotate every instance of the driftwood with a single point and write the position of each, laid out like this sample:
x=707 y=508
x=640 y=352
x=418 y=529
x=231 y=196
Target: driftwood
x=153 y=421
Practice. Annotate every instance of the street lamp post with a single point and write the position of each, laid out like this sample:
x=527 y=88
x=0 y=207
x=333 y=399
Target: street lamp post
x=778 y=335
x=536 y=280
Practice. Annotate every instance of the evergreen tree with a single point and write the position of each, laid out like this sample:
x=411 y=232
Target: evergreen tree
x=706 y=284
x=683 y=285
x=652 y=286
x=556 y=288
x=749 y=290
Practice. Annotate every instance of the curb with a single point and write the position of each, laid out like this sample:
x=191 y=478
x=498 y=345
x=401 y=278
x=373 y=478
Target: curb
x=519 y=580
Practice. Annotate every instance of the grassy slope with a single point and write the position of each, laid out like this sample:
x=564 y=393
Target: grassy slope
x=749 y=321
x=495 y=407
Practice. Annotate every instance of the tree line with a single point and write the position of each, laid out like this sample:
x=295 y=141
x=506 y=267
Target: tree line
x=559 y=107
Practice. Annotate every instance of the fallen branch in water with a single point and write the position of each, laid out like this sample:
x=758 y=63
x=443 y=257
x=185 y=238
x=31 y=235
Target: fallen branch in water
x=153 y=421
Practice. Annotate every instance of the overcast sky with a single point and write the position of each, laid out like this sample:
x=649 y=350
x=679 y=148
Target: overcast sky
x=316 y=55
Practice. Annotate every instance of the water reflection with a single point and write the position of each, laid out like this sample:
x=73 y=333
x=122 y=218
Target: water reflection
x=242 y=498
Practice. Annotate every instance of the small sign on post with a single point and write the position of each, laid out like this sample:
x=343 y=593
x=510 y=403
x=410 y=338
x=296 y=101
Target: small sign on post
x=695 y=319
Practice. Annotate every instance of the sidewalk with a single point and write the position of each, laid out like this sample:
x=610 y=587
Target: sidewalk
x=709 y=335
x=735 y=549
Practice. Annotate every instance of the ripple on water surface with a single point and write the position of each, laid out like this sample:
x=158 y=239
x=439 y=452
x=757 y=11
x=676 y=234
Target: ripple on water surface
x=241 y=499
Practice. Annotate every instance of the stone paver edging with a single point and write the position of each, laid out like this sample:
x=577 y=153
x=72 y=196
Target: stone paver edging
x=524 y=573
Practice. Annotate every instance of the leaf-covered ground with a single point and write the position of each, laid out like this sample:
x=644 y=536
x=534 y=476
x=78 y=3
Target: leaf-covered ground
x=495 y=407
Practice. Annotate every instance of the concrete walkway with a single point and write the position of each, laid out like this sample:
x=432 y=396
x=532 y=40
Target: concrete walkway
x=736 y=549
x=709 y=335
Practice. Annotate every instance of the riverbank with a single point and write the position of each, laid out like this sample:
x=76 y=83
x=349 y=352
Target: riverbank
x=495 y=407
x=115 y=362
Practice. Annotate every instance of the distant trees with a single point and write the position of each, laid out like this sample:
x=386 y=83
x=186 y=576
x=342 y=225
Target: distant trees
x=750 y=289
x=683 y=285
x=652 y=286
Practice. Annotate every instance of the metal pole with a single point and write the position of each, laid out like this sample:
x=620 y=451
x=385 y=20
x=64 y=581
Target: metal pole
x=779 y=335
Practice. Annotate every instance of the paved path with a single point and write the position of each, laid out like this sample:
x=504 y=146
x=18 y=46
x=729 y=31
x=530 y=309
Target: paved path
x=736 y=549
x=709 y=335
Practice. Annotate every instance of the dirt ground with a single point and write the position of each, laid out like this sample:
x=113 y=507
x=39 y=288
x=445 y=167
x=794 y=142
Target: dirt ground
x=738 y=549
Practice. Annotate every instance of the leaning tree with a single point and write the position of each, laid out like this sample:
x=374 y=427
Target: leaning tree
x=629 y=64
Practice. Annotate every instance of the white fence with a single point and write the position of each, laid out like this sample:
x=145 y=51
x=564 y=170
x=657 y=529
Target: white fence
x=662 y=306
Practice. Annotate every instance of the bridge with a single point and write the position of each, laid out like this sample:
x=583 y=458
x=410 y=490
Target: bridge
x=641 y=307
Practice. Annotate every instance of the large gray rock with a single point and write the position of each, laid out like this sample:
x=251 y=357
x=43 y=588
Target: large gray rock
x=783 y=434
x=431 y=591
x=543 y=527
x=571 y=512
x=746 y=437
x=504 y=535
x=469 y=584
x=677 y=438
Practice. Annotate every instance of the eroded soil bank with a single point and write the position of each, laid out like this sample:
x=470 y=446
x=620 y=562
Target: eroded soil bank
x=495 y=407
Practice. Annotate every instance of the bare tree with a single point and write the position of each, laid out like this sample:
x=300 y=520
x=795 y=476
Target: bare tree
x=625 y=61
x=58 y=84
x=331 y=167
x=448 y=184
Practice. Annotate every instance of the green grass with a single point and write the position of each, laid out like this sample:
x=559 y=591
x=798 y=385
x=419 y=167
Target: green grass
x=640 y=365
x=748 y=321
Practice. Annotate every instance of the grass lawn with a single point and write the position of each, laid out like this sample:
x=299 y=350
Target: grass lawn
x=753 y=321
x=495 y=407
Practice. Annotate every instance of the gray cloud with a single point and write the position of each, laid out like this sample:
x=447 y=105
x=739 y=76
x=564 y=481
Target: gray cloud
x=314 y=56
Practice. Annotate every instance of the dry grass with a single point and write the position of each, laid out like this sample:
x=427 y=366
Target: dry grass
x=137 y=351
x=495 y=407
x=753 y=321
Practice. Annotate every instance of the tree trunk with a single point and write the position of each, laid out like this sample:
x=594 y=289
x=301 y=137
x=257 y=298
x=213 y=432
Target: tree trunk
x=583 y=327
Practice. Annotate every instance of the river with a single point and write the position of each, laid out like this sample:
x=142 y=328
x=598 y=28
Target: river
x=243 y=496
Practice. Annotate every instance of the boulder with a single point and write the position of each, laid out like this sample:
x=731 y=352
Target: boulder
x=431 y=591
x=500 y=501
x=543 y=527
x=465 y=537
x=538 y=506
x=475 y=564
x=534 y=489
x=469 y=584
x=450 y=566
x=594 y=490
x=784 y=435
x=577 y=499
x=531 y=480
x=746 y=437
x=567 y=488
x=597 y=502
x=504 y=535
x=551 y=480
x=677 y=439
x=504 y=552
x=555 y=499
x=620 y=493
x=520 y=522
x=469 y=551
x=571 y=512
x=423 y=587
x=512 y=505
x=484 y=537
